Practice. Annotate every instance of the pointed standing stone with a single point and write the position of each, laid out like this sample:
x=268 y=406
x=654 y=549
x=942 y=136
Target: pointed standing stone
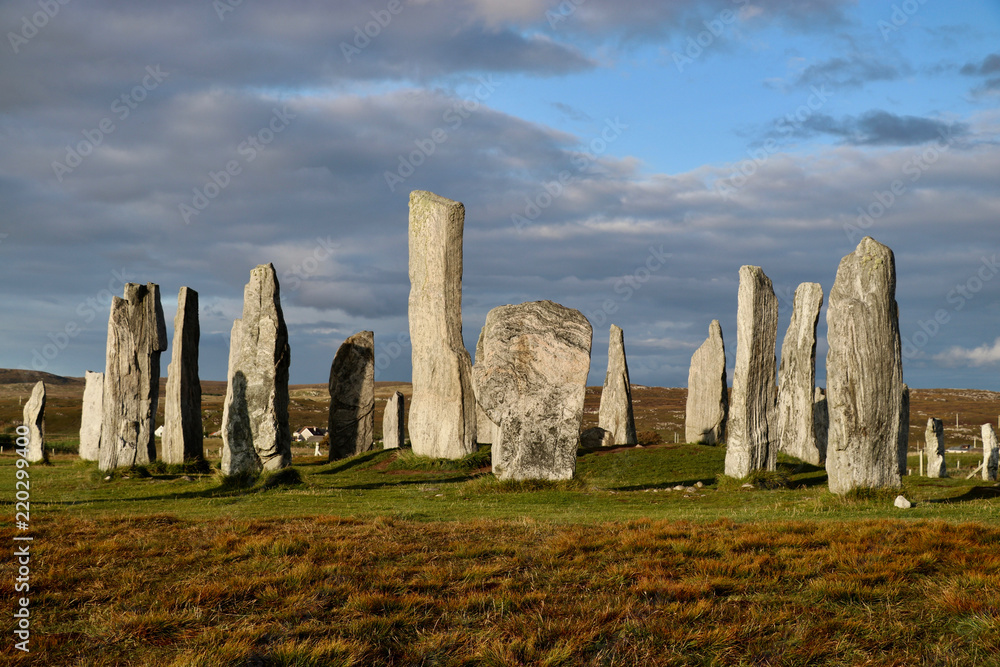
x=615 y=413
x=443 y=407
x=90 y=419
x=707 y=396
x=934 y=448
x=797 y=378
x=991 y=453
x=531 y=370
x=183 y=434
x=352 y=397
x=753 y=441
x=137 y=334
x=864 y=372
x=34 y=419
x=255 y=431
x=393 y=435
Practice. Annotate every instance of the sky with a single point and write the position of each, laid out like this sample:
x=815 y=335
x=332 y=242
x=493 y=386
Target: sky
x=622 y=158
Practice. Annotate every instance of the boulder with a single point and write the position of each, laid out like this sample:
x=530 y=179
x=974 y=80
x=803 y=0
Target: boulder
x=615 y=414
x=90 y=418
x=183 y=432
x=34 y=419
x=902 y=503
x=797 y=378
x=934 y=448
x=991 y=453
x=393 y=432
x=531 y=370
x=595 y=437
x=707 y=395
x=352 y=397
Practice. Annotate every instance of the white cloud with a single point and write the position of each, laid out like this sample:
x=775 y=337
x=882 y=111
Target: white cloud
x=983 y=355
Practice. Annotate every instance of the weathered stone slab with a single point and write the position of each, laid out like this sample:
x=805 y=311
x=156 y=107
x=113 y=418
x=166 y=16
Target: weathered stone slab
x=34 y=419
x=183 y=433
x=991 y=453
x=255 y=430
x=352 y=397
x=615 y=414
x=821 y=420
x=531 y=371
x=91 y=416
x=595 y=437
x=797 y=378
x=708 y=391
x=864 y=372
x=443 y=408
x=904 y=430
x=137 y=334
x=934 y=448
x=393 y=432
x=753 y=439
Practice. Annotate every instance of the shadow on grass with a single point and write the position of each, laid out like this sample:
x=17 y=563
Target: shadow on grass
x=346 y=464
x=706 y=481
x=974 y=493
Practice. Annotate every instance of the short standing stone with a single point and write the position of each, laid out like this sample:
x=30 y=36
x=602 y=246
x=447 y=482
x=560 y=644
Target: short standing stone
x=137 y=334
x=486 y=431
x=255 y=430
x=393 y=435
x=821 y=420
x=615 y=413
x=183 y=433
x=797 y=378
x=934 y=448
x=991 y=453
x=90 y=418
x=34 y=419
x=531 y=371
x=753 y=439
x=443 y=407
x=596 y=437
x=707 y=393
x=352 y=397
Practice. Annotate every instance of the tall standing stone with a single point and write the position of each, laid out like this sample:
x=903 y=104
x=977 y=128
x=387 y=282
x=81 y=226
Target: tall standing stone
x=707 y=391
x=255 y=431
x=934 y=448
x=393 y=435
x=904 y=430
x=34 y=419
x=797 y=378
x=183 y=433
x=991 y=453
x=864 y=371
x=615 y=414
x=753 y=438
x=531 y=371
x=352 y=397
x=137 y=334
x=90 y=418
x=443 y=408
x=821 y=420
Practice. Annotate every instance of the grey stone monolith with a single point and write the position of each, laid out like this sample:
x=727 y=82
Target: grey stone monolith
x=255 y=430
x=752 y=442
x=615 y=414
x=90 y=417
x=442 y=420
x=991 y=453
x=934 y=448
x=904 y=430
x=864 y=371
x=137 y=334
x=821 y=420
x=34 y=419
x=531 y=372
x=487 y=433
x=352 y=397
x=797 y=378
x=393 y=431
x=707 y=408
x=183 y=432
x=595 y=437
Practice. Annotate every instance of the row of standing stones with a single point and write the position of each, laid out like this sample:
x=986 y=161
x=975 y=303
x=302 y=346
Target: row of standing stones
x=526 y=391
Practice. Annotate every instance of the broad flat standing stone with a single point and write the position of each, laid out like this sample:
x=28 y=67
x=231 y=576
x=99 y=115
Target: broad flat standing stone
x=991 y=453
x=34 y=419
x=934 y=448
x=90 y=418
x=183 y=434
x=864 y=372
x=137 y=334
x=708 y=397
x=753 y=438
x=255 y=431
x=443 y=407
x=797 y=378
x=352 y=397
x=393 y=435
x=615 y=413
x=531 y=371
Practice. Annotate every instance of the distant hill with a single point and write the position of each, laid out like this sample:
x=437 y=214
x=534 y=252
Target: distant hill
x=20 y=376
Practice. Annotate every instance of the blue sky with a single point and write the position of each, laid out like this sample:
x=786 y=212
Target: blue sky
x=824 y=105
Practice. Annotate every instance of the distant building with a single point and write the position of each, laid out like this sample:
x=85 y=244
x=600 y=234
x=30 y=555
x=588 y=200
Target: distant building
x=309 y=434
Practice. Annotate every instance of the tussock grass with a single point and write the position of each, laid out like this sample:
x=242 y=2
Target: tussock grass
x=405 y=459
